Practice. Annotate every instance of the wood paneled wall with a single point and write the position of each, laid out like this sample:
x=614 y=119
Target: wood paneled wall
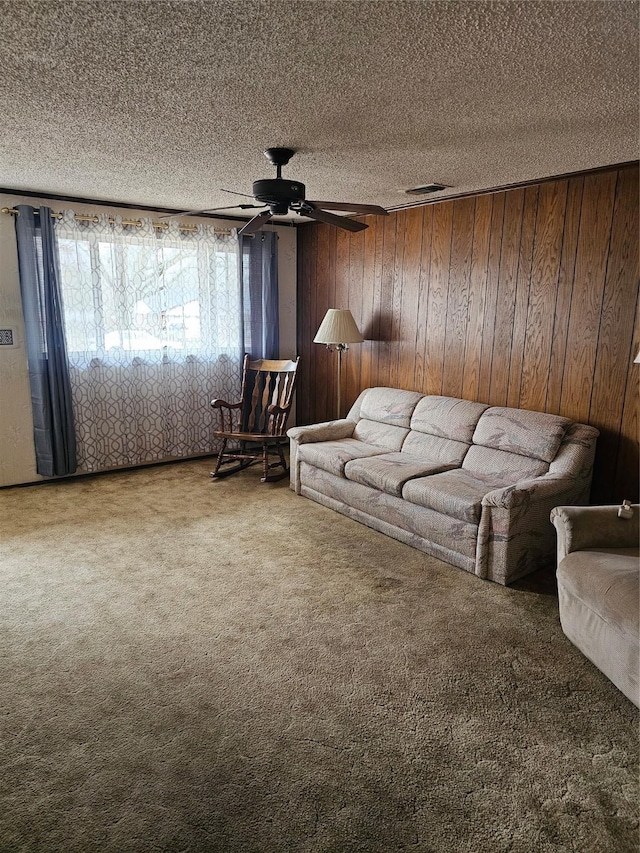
x=524 y=298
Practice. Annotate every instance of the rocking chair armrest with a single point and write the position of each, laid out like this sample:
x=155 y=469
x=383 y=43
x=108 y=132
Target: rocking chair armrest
x=274 y=409
x=220 y=404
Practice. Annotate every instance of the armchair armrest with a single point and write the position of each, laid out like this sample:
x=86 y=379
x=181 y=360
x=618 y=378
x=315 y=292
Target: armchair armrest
x=581 y=527
x=328 y=431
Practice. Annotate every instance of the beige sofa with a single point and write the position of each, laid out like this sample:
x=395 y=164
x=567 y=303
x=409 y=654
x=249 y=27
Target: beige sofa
x=599 y=587
x=465 y=482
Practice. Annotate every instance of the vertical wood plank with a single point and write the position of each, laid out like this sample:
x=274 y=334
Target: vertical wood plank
x=386 y=298
x=355 y=299
x=564 y=294
x=377 y=327
x=529 y=221
x=423 y=298
x=340 y=300
x=588 y=289
x=325 y=275
x=438 y=295
x=506 y=303
x=396 y=301
x=368 y=303
x=491 y=300
x=545 y=270
x=306 y=255
x=410 y=296
x=458 y=295
x=477 y=295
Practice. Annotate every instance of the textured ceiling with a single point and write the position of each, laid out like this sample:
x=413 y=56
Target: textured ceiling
x=164 y=103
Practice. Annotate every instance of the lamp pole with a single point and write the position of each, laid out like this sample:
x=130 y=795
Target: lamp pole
x=341 y=348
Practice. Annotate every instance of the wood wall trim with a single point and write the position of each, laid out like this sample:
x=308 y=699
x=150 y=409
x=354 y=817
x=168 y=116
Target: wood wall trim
x=628 y=164
x=526 y=297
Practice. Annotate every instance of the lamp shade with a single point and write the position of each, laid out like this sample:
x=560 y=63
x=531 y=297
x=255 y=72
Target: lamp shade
x=338 y=327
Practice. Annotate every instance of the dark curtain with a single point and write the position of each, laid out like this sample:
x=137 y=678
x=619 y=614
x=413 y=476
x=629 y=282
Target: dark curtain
x=259 y=287
x=53 y=428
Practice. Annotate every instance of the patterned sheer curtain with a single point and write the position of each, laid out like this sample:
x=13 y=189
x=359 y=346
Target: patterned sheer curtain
x=153 y=322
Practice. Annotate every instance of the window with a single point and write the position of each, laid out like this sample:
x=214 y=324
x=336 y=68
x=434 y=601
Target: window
x=132 y=292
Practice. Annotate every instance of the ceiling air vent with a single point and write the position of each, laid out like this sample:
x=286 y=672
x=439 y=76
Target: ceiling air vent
x=428 y=188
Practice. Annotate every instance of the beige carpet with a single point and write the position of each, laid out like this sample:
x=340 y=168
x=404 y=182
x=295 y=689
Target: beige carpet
x=189 y=665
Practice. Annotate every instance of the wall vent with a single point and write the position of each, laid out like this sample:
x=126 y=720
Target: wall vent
x=7 y=338
x=426 y=189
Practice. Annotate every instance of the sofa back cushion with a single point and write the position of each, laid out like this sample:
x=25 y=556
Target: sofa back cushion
x=442 y=428
x=385 y=415
x=487 y=462
x=447 y=417
x=576 y=453
x=533 y=434
x=433 y=447
x=382 y=435
x=389 y=406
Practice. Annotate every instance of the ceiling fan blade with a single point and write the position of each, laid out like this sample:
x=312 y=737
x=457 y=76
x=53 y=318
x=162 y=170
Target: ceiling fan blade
x=233 y=192
x=256 y=223
x=212 y=210
x=182 y=213
x=354 y=208
x=330 y=219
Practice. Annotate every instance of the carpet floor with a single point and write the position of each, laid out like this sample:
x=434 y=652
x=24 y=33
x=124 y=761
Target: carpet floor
x=190 y=665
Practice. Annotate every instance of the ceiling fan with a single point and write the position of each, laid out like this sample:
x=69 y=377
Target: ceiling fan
x=281 y=196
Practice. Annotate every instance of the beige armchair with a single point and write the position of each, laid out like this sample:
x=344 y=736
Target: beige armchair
x=598 y=588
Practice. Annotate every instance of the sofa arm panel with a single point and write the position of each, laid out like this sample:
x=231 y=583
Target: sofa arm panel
x=582 y=527
x=515 y=536
x=327 y=431
x=526 y=491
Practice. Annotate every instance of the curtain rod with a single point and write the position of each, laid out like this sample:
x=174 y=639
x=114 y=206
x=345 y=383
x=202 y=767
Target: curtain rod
x=137 y=223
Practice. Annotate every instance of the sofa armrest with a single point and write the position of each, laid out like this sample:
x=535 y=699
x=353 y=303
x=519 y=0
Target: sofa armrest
x=526 y=491
x=328 y=431
x=515 y=536
x=581 y=527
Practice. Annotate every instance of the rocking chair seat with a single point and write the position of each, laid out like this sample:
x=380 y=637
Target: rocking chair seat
x=259 y=418
x=252 y=437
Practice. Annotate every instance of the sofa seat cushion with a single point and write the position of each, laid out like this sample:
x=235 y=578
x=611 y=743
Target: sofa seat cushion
x=456 y=493
x=332 y=456
x=390 y=471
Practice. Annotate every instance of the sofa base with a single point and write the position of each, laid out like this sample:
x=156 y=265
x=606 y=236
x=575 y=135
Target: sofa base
x=391 y=530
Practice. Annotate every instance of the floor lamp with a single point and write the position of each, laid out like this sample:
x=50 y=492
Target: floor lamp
x=337 y=331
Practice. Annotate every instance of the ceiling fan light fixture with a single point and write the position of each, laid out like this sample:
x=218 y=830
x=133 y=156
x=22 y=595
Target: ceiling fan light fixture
x=426 y=189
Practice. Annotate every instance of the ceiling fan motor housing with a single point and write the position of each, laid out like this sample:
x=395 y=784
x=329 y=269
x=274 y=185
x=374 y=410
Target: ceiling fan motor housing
x=278 y=193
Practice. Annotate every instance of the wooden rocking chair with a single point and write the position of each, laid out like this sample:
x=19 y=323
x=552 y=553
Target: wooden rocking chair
x=258 y=421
